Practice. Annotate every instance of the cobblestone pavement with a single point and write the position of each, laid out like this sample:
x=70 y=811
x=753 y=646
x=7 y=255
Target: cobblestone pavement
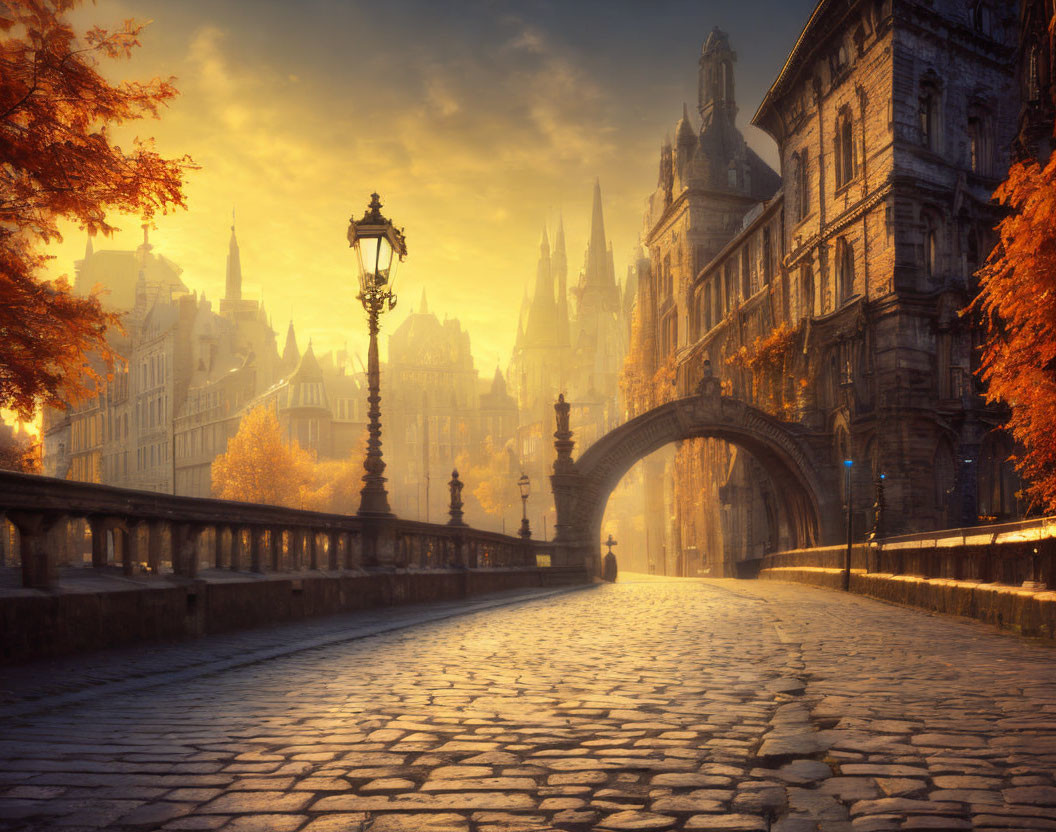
x=697 y=705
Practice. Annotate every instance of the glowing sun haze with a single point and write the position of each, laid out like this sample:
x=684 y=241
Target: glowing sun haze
x=476 y=121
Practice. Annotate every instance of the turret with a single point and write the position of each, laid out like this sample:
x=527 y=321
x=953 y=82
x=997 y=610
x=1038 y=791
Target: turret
x=715 y=79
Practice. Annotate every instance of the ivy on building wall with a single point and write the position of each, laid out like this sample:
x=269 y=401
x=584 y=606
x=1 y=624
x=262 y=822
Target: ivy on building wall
x=771 y=363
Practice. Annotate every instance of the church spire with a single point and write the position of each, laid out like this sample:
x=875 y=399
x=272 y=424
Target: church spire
x=541 y=317
x=559 y=265
x=291 y=357
x=596 y=268
x=423 y=307
x=234 y=266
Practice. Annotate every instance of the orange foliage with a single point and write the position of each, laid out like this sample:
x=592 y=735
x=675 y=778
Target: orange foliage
x=60 y=163
x=1017 y=301
x=643 y=391
x=494 y=481
x=770 y=360
x=259 y=467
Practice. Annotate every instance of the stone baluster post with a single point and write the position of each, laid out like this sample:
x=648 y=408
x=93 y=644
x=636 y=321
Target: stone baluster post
x=313 y=550
x=236 y=548
x=218 y=547
x=39 y=566
x=98 y=527
x=256 y=549
x=332 y=541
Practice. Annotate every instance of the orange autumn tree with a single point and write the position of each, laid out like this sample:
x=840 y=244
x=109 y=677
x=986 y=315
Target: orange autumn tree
x=60 y=162
x=1017 y=302
x=259 y=467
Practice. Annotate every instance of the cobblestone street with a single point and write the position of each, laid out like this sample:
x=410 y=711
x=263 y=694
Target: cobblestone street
x=663 y=704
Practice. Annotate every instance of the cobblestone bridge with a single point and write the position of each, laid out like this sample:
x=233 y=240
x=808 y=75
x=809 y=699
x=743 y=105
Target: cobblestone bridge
x=664 y=704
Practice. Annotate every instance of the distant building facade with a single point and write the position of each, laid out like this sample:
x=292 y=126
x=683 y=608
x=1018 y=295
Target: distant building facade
x=832 y=297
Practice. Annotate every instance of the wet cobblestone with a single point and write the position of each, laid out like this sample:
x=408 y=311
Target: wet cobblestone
x=696 y=705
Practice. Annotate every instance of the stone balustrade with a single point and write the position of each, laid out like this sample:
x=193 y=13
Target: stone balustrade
x=144 y=533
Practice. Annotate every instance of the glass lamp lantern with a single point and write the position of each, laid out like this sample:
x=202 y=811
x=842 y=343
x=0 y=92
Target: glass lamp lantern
x=379 y=247
x=523 y=484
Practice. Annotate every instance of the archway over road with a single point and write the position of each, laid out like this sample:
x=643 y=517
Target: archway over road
x=796 y=460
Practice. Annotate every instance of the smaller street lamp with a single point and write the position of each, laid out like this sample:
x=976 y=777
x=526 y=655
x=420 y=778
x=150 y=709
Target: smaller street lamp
x=524 y=486
x=848 y=464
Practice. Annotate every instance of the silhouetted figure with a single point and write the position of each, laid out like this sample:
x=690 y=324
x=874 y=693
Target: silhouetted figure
x=608 y=570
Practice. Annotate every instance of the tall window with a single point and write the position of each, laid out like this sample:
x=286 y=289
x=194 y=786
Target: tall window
x=1034 y=74
x=806 y=291
x=802 y=186
x=844 y=148
x=931 y=248
x=844 y=269
x=928 y=115
x=982 y=19
x=979 y=145
x=767 y=257
x=746 y=274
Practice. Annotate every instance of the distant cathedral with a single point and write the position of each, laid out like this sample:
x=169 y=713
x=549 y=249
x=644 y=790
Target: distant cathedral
x=570 y=341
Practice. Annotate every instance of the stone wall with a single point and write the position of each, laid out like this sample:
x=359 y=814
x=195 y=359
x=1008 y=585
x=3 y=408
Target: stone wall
x=121 y=611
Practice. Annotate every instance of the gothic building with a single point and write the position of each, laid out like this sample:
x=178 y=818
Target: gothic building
x=188 y=376
x=832 y=296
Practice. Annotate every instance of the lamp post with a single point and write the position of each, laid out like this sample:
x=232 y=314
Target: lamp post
x=524 y=485
x=848 y=465
x=379 y=247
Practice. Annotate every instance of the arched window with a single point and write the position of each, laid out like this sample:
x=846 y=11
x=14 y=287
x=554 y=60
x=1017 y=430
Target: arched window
x=982 y=19
x=844 y=147
x=980 y=154
x=931 y=248
x=731 y=175
x=929 y=107
x=844 y=268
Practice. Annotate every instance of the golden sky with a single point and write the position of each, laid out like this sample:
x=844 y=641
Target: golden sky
x=477 y=121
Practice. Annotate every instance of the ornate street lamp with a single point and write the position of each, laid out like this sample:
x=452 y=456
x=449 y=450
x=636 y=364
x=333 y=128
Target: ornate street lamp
x=379 y=247
x=524 y=485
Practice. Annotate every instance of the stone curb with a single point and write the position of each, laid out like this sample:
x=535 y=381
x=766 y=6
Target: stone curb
x=62 y=700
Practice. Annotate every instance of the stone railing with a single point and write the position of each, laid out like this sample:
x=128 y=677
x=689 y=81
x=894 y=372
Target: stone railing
x=1016 y=554
x=61 y=523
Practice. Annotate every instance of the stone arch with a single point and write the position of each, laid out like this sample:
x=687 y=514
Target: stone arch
x=794 y=459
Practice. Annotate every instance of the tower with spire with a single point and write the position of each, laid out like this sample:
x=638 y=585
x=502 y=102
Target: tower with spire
x=598 y=344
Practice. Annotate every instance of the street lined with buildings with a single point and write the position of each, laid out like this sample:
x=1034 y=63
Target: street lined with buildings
x=648 y=704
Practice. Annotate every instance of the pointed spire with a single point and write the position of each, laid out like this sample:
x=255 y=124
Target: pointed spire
x=559 y=264
x=290 y=354
x=596 y=270
x=684 y=134
x=423 y=307
x=234 y=266
x=89 y=249
x=543 y=313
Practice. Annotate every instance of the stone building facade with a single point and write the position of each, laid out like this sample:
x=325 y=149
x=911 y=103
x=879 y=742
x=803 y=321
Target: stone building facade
x=836 y=302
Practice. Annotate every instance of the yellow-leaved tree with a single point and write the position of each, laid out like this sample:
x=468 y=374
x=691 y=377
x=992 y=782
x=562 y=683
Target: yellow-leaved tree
x=259 y=467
